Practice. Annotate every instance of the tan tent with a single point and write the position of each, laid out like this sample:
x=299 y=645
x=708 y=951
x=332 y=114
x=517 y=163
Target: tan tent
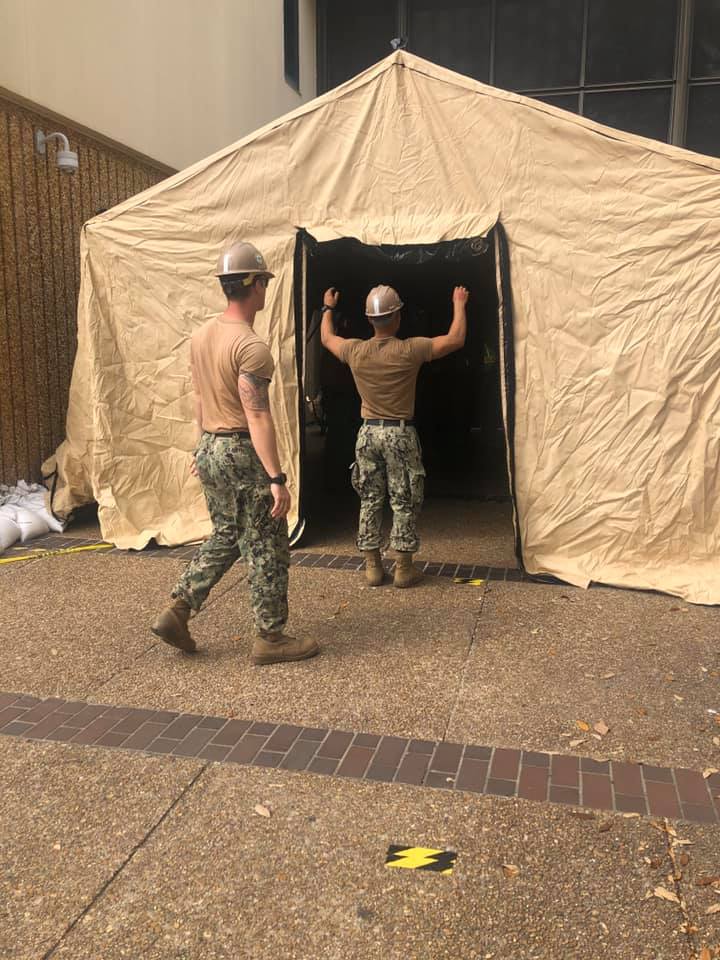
x=609 y=279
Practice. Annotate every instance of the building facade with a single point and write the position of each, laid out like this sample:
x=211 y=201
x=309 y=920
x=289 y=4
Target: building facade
x=651 y=67
x=139 y=90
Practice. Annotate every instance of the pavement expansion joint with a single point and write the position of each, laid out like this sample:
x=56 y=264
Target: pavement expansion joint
x=138 y=846
x=632 y=789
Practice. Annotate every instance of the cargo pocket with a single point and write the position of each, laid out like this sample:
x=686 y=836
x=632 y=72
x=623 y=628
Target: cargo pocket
x=416 y=486
x=355 y=478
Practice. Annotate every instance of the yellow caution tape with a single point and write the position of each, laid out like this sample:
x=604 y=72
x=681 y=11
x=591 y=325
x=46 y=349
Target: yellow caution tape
x=470 y=580
x=41 y=554
x=421 y=858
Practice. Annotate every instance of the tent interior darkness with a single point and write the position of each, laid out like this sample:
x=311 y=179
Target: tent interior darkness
x=458 y=407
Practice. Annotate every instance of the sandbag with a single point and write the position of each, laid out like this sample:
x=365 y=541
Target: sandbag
x=9 y=532
x=31 y=524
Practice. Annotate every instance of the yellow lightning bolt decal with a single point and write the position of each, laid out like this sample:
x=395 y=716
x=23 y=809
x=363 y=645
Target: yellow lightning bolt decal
x=414 y=857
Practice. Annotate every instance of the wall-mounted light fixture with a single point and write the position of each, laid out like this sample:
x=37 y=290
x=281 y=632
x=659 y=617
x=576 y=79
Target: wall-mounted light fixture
x=66 y=159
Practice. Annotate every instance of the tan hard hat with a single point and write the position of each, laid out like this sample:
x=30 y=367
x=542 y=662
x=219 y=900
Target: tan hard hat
x=382 y=301
x=242 y=257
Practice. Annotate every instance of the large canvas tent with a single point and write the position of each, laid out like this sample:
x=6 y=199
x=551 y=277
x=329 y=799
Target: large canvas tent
x=608 y=272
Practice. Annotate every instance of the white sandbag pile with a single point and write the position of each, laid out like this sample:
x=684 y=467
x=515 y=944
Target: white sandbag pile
x=24 y=514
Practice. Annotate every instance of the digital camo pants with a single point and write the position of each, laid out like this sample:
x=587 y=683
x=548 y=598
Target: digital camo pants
x=388 y=459
x=239 y=500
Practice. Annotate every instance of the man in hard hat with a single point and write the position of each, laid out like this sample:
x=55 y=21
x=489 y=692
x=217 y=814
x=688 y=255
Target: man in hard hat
x=387 y=453
x=239 y=468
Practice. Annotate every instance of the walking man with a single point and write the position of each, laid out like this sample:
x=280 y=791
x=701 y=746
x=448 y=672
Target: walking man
x=387 y=452
x=239 y=468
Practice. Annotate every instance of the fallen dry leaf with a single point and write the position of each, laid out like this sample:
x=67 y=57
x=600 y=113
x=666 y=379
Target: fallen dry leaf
x=630 y=816
x=605 y=826
x=705 y=954
x=678 y=698
x=601 y=727
x=715 y=908
x=608 y=676
x=576 y=743
x=716 y=741
x=683 y=859
x=706 y=881
x=662 y=894
x=585 y=727
x=510 y=871
x=710 y=771
x=261 y=810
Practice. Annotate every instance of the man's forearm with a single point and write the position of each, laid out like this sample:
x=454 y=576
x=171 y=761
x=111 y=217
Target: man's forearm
x=458 y=327
x=327 y=327
x=262 y=434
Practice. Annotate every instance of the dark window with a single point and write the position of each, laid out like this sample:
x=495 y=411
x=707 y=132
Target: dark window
x=646 y=112
x=455 y=34
x=706 y=39
x=291 y=44
x=703 y=128
x=631 y=40
x=356 y=36
x=538 y=44
x=565 y=101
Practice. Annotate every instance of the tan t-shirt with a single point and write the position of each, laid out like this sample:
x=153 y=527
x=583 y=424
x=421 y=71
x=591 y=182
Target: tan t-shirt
x=385 y=373
x=219 y=351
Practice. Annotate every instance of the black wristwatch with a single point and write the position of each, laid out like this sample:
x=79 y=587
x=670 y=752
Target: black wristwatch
x=326 y=307
x=280 y=480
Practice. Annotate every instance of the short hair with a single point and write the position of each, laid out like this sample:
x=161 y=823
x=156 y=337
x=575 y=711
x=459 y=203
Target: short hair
x=235 y=289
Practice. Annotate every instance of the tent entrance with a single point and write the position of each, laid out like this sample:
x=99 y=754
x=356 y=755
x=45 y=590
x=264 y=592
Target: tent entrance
x=458 y=406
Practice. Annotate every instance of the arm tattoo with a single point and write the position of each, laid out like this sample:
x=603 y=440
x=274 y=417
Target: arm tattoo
x=253 y=392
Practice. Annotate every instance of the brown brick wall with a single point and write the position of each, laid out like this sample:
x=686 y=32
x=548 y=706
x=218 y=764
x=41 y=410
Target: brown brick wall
x=41 y=213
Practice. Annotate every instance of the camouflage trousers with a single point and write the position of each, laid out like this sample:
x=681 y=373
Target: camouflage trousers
x=238 y=496
x=388 y=459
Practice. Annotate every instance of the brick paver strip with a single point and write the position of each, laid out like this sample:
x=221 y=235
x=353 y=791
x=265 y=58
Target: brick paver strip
x=533 y=782
x=229 y=735
x=472 y=775
x=627 y=779
x=663 y=800
x=246 y=750
x=501 y=788
x=324 y=765
x=692 y=787
x=356 y=762
x=299 y=755
x=505 y=764
x=530 y=774
x=446 y=758
x=597 y=791
x=656 y=774
x=558 y=794
x=565 y=771
x=412 y=769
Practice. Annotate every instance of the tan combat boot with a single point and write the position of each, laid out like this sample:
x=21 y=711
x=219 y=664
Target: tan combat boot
x=172 y=625
x=406 y=575
x=374 y=570
x=280 y=648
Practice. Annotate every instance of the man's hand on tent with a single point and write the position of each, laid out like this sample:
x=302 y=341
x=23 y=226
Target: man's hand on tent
x=329 y=339
x=454 y=339
x=193 y=467
x=460 y=295
x=331 y=297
